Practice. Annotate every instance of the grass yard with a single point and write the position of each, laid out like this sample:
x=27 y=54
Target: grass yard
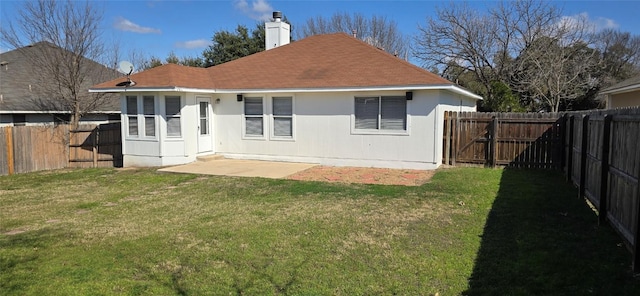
x=138 y=232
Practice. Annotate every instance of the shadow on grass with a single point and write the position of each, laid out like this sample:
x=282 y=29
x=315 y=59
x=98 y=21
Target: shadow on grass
x=20 y=255
x=541 y=239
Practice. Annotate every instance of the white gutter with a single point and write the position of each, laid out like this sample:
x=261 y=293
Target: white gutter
x=449 y=87
x=622 y=89
x=55 y=111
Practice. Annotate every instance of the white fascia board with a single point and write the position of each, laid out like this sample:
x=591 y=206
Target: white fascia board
x=56 y=112
x=622 y=90
x=449 y=87
x=452 y=88
x=151 y=89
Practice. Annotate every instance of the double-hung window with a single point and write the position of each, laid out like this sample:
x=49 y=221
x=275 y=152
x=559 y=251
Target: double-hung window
x=381 y=113
x=253 y=117
x=283 y=117
x=132 y=116
x=148 y=108
x=172 y=114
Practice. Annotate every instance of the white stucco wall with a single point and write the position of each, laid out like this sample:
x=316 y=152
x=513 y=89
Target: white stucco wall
x=322 y=132
x=159 y=150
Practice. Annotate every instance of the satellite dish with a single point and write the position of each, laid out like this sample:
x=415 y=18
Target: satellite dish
x=125 y=67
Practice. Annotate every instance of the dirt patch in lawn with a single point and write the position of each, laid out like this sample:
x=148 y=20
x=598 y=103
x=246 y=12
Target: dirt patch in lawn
x=364 y=175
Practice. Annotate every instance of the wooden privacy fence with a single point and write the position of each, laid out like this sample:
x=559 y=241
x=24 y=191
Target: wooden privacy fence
x=530 y=140
x=603 y=160
x=95 y=146
x=599 y=152
x=26 y=149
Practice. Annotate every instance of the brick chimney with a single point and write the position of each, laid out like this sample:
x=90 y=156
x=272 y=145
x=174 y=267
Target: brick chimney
x=277 y=33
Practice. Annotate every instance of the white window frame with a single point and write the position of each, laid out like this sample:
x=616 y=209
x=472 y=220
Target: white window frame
x=273 y=118
x=246 y=136
x=140 y=117
x=145 y=117
x=378 y=130
x=167 y=117
x=129 y=117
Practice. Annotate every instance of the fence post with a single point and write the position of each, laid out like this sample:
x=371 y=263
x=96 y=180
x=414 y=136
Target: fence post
x=563 y=140
x=604 y=169
x=583 y=155
x=494 y=141
x=447 y=131
x=8 y=133
x=95 y=147
x=636 y=238
x=456 y=137
x=570 y=149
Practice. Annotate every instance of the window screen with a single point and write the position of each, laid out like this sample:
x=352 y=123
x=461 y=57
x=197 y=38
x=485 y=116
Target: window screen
x=172 y=112
x=148 y=108
x=132 y=115
x=253 y=117
x=393 y=113
x=282 y=116
x=381 y=113
x=366 y=112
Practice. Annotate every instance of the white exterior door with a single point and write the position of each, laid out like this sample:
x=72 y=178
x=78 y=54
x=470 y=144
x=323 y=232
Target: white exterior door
x=205 y=134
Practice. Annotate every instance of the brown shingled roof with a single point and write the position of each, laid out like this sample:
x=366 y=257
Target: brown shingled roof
x=320 y=61
x=169 y=75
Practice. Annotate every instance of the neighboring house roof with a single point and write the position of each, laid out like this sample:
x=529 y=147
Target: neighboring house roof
x=628 y=85
x=20 y=85
x=331 y=61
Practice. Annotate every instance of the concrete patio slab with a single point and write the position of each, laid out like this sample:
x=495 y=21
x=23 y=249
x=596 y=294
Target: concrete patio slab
x=241 y=168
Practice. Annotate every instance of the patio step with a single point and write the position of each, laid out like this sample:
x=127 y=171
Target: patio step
x=210 y=157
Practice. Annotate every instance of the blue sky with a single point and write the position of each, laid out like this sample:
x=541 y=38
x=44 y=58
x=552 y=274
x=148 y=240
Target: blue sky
x=157 y=27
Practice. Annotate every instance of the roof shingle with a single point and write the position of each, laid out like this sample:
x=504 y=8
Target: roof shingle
x=320 y=61
x=24 y=87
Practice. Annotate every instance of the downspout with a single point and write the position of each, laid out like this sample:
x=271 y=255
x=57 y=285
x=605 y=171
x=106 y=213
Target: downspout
x=436 y=129
x=161 y=122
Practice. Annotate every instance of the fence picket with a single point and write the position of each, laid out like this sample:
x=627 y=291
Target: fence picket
x=34 y=148
x=597 y=150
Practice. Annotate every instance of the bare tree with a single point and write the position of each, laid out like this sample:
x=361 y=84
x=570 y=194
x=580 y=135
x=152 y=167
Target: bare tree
x=620 y=55
x=376 y=30
x=482 y=43
x=559 y=66
x=69 y=39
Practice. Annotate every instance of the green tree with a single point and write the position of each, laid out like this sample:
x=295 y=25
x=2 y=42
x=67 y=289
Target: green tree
x=228 y=46
x=172 y=58
x=503 y=99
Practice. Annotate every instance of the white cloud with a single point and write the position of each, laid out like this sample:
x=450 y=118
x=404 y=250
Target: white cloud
x=191 y=44
x=598 y=24
x=605 y=23
x=259 y=10
x=123 y=24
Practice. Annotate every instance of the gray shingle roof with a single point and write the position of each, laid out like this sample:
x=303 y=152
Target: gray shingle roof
x=629 y=84
x=21 y=88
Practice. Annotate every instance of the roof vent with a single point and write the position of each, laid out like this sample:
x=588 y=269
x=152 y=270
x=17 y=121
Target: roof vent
x=277 y=16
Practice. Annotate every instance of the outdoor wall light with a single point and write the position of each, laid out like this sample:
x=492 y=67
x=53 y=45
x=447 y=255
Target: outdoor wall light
x=239 y=97
x=409 y=95
x=218 y=101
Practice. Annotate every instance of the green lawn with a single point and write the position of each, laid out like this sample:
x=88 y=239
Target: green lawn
x=469 y=231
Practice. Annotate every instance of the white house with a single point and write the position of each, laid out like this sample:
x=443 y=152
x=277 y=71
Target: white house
x=327 y=99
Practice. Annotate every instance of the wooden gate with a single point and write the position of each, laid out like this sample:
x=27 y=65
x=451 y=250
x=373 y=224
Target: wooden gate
x=95 y=146
x=509 y=139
